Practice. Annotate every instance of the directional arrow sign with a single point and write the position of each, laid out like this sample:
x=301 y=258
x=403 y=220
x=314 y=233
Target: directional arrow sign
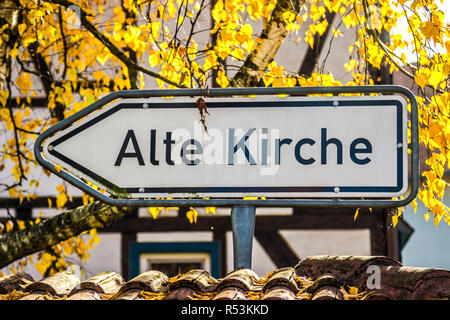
x=312 y=147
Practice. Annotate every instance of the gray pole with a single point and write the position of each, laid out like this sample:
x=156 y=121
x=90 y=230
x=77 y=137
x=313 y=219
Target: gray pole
x=242 y=225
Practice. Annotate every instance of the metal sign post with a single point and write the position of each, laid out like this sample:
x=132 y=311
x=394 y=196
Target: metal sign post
x=332 y=150
x=242 y=225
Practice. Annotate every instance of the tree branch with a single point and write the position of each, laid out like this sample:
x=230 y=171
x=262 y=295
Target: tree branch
x=19 y=244
x=111 y=47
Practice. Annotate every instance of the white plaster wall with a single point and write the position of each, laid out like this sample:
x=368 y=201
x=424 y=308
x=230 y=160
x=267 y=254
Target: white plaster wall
x=174 y=236
x=261 y=262
x=105 y=256
x=307 y=243
x=292 y=52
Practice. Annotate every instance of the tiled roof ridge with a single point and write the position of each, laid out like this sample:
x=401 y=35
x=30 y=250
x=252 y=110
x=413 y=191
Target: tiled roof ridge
x=345 y=268
x=316 y=277
x=419 y=283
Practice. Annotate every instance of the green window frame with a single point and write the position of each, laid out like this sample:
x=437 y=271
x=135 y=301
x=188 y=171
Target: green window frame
x=138 y=248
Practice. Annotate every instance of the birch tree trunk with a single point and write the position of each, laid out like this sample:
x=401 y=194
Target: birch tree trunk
x=8 y=15
x=20 y=243
x=267 y=44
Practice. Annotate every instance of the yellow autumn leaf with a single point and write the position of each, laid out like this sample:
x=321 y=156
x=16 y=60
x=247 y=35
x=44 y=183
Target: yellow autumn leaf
x=21 y=28
x=98 y=75
x=21 y=224
x=4 y=94
x=337 y=33
x=310 y=40
x=12 y=192
x=155 y=28
x=49 y=201
x=61 y=200
x=102 y=58
x=153 y=58
x=26 y=112
x=222 y=79
x=96 y=239
x=24 y=82
x=192 y=215
x=421 y=78
x=60 y=188
x=322 y=27
x=147 y=295
x=356 y=214
x=437 y=79
x=154 y=211
x=9 y=225
x=352 y=293
x=94 y=236
x=433 y=29
x=85 y=199
x=352 y=290
x=180 y=20
x=437 y=219
x=316 y=12
x=41 y=266
x=394 y=220
x=14 y=52
x=267 y=79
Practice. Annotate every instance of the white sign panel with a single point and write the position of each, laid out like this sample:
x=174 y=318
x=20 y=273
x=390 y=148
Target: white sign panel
x=274 y=147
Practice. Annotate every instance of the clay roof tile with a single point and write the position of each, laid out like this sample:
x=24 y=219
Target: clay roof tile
x=284 y=277
x=345 y=268
x=11 y=282
x=104 y=283
x=243 y=279
x=152 y=281
x=279 y=294
x=58 y=284
x=231 y=294
x=197 y=280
